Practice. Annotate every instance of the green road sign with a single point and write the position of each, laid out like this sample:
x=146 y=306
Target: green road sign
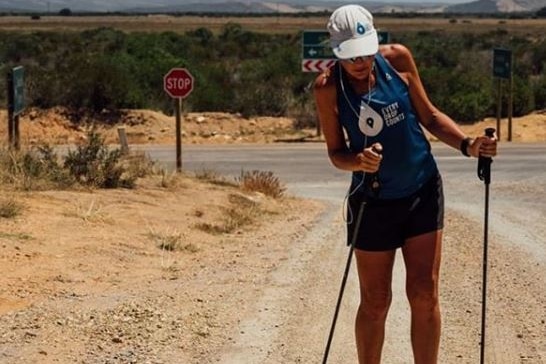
x=316 y=45
x=502 y=63
x=313 y=52
x=316 y=38
x=383 y=37
x=18 y=90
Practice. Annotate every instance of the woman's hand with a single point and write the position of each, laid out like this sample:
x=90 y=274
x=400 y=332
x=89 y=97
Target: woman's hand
x=370 y=158
x=483 y=146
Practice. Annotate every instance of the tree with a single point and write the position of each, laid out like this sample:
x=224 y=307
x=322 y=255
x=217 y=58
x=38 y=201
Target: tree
x=65 y=12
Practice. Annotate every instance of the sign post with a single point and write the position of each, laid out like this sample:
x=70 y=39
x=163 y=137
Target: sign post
x=178 y=84
x=502 y=69
x=16 y=104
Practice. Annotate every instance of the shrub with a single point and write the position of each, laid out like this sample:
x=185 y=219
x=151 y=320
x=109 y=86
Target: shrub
x=10 y=208
x=260 y=181
x=540 y=93
x=65 y=12
x=35 y=169
x=93 y=164
x=241 y=71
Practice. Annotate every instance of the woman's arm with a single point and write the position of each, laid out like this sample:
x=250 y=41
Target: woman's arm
x=327 y=112
x=438 y=123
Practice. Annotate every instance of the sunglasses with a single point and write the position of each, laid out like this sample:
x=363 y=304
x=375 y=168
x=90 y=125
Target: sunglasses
x=362 y=58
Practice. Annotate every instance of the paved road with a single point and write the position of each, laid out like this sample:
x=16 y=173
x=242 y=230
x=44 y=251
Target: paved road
x=304 y=165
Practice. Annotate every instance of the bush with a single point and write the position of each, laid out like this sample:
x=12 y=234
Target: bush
x=260 y=181
x=65 y=12
x=10 y=208
x=34 y=169
x=244 y=72
x=540 y=93
x=93 y=164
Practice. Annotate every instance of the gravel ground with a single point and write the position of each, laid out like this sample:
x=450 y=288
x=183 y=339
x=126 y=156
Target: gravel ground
x=272 y=302
x=81 y=281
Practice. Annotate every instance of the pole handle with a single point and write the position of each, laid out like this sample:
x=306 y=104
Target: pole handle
x=490 y=132
x=484 y=163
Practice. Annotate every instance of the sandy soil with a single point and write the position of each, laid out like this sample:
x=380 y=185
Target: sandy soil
x=87 y=276
x=56 y=126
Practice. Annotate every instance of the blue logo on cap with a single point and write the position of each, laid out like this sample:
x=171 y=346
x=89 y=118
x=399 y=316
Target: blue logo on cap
x=360 y=29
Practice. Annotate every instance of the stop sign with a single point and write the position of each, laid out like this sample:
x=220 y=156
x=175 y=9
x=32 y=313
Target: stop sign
x=178 y=82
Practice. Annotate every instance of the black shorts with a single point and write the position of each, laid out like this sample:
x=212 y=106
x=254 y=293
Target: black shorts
x=386 y=224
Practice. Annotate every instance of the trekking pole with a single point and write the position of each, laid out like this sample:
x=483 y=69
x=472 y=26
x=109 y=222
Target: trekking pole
x=484 y=174
x=375 y=186
x=344 y=281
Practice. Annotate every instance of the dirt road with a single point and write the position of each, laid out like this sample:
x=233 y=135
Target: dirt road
x=83 y=280
x=103 y=293
x=292 y=317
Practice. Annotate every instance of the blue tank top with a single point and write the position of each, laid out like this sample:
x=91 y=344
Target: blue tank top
x=385 y=115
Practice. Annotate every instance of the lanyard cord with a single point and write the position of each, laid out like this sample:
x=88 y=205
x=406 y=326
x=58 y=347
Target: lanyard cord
x=349 y=218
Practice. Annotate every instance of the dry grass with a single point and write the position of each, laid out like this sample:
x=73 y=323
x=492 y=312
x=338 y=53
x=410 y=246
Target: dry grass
x=16 y=236
x=171 y=240
x=263 y=182
x=269 y=24
x=241 y=212
x=10 y=208
x=213 y=177
x=93 y=212
x=170 y=180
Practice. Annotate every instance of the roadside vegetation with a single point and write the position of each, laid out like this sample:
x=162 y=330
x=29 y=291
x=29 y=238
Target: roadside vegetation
x=252 y=73
x=91 y=164
x=94 y=165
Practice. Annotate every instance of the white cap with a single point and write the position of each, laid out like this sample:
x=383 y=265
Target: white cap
x=352 y=33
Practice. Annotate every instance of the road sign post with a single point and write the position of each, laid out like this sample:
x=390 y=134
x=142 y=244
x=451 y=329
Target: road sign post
x=178 y=84
x=502 y=69
x=16 y=104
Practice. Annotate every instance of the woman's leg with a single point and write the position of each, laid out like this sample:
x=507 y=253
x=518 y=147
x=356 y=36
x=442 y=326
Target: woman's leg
x=422 y=258
x=375 y=276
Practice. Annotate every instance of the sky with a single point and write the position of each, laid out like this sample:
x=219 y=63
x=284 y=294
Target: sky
x=116 y=4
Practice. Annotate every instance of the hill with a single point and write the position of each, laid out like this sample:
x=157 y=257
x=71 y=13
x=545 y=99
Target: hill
x=256 y=7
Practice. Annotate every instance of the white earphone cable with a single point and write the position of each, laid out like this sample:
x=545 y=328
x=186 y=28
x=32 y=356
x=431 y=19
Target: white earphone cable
x=346 y=207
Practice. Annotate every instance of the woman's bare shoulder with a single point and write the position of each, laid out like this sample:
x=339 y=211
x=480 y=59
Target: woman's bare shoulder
x=324 y=83
x=398 y=55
